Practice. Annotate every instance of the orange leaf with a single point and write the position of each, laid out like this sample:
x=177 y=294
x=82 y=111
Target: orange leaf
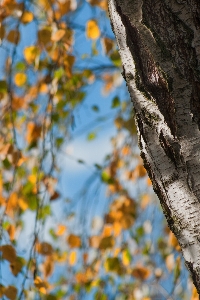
x=92 y=30
x=61 y=230
x=141 y=272
x=74 y=241
x=195 y=295
x=94 y=241
x=33 y=132
x=11 y=232
x=44 y=248
x=58 y=35
x=27 y=17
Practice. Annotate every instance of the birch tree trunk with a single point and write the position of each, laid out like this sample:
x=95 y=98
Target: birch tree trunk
x=159 y=44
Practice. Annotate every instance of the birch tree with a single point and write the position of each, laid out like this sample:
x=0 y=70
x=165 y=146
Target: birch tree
x=159 y=44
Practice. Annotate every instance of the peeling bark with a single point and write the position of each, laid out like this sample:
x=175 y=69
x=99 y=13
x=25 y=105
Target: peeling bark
x=159 y=44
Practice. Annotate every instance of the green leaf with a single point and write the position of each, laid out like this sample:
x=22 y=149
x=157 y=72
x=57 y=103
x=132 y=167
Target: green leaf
x=3 y=86
x=105 y=177
x=20 y=66
x=95 y=108
x=91 y=136
x=59 y=73
x=115 y=102
x=115 y=58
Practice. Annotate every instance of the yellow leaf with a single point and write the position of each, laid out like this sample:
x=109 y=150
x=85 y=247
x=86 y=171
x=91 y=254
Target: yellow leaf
x=60 y=257
x=44 y=248
x=74 y=241
x=8 y=253
x=27 y=17
x=41 y=285
x=126 y=258
x=33 y=178
x=195 y=295
x=23 y=203
x=30 y=54
x=92 y=30
x=20 y=79
x=72 y=258
x=10 y=292
x=61 y=230
x=58 y=35
x=13 y=36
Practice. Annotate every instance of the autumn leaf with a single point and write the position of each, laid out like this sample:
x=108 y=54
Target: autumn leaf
x=141 y=272
x=74 y=241
x=8 y=253
x=61 y=230
x=58 y=35
x=106 y=242
x=2 y=32
x=72 y=258
x=10 y=292
x=33 y=132
x=41 y=285
x=27 y=17
x=44 y=36
x=13 y=36
x=20 y=79
x=48 y=266
x=30 y=54
x=92 y=30
x=195 y=295
x=17 y=265
x=44 y=248
x=169 y=261
x=108 y=44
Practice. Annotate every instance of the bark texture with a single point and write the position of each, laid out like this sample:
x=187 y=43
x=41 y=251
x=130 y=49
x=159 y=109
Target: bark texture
x=159 y=43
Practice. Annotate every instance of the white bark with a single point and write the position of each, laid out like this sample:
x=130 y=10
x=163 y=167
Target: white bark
x=162 y=70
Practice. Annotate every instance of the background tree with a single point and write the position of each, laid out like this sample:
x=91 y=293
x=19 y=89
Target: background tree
x=56 y=57
x=159 y=46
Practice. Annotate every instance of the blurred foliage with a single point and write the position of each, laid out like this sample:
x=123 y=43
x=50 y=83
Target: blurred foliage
x=127 y=252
